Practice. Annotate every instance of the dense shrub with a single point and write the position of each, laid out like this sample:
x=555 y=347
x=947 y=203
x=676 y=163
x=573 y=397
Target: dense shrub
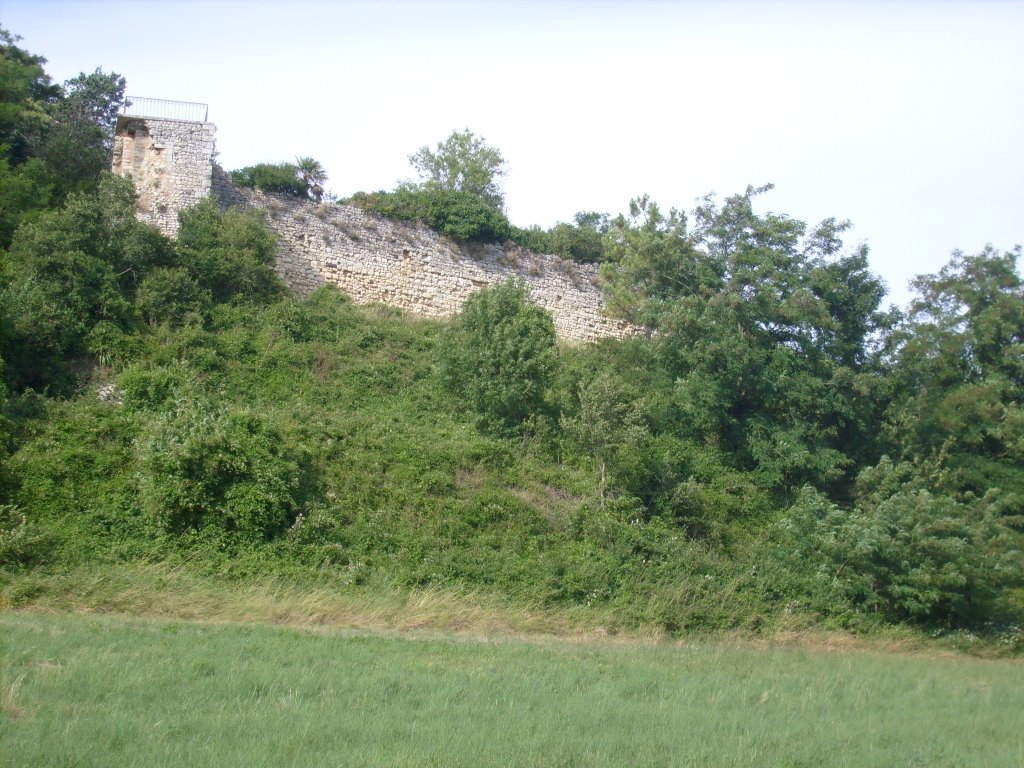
x=902 y=552
x=460 y=215
x=275 y=178
x=200 y=466
x=109 y=345
x=501 y=355
x=171 y=295
x=21 y=545
x=230 y=254
x=582 y=242
x=69 y=270
x=149 y=387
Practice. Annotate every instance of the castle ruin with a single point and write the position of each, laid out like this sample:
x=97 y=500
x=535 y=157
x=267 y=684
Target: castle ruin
x=167 y=149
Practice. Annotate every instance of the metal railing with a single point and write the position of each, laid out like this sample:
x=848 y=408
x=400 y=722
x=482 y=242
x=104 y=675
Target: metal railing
x=141 y=106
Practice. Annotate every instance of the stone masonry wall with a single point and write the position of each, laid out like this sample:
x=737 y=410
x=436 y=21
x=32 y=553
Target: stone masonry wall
x=371 y=258
x=170 y=161
x=374 y=259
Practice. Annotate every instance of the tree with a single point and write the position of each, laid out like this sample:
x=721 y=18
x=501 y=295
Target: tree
x=652 y=263
x=765 y=328
x=313 y=176
x=901 y=550
x=462 y=163
x=501 y=355
x=79 y=139
x=71 y=269
x=960 y=377
x=25 y=191
x=26 y=91
x=609 y=425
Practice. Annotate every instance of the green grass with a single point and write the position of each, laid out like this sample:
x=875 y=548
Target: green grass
x=90 y=690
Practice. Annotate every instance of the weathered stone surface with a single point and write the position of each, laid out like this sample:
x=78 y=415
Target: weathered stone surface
x=170 y=162
x=371 y=258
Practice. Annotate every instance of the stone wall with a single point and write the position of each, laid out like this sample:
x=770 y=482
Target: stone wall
x=374 y=259
x=371 y=258
x=170 y=161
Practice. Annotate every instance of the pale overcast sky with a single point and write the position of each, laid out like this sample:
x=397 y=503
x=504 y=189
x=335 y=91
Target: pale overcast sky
x=905 y=117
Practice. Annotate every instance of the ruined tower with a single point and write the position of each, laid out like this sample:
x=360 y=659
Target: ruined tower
x=166 y=147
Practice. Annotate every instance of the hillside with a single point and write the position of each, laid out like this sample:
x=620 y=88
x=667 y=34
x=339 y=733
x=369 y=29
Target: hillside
x=774 y=450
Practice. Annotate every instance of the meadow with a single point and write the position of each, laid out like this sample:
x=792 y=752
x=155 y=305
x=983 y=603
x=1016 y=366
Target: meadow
x=101 y=690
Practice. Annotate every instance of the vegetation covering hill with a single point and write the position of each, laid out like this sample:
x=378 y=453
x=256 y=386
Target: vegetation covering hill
x=776 y=449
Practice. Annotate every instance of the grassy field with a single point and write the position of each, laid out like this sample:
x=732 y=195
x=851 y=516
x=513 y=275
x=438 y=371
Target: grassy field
x=87 y=690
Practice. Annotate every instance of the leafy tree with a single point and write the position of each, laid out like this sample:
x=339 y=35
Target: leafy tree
x=26 y=91
x=609 y=425
x=25 y=191
x=79 y=139
x=652 y=263
x=71 y=269
x=902 y=551
x=501 y=355
x=765 y=328
x=960 y=376
x=462 y=163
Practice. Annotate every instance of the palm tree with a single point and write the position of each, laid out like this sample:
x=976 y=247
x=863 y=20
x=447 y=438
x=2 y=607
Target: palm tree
x=313 y=176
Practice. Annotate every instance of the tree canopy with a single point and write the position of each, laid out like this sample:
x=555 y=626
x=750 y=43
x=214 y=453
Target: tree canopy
x=463 y=162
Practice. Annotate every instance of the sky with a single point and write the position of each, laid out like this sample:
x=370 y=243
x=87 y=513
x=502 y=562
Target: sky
x=906 y=118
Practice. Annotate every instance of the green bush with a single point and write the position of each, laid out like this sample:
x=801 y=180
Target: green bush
x=202 y=467
x=459 y=215
x=21 y=546
x=275 y=178
x=582 y=242
x=501 y=355
x=230 y=254
x=68 y=272
x=171 y=295
x=109 y=345
x=148 y=387
x=903 y=552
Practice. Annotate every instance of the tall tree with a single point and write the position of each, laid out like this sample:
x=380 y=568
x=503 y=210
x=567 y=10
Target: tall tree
x=652 y=263
x=26 y=92
x=609 y=425
x=960 y=374
x=765 y=328
x=78 y=143
x=463 y=163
